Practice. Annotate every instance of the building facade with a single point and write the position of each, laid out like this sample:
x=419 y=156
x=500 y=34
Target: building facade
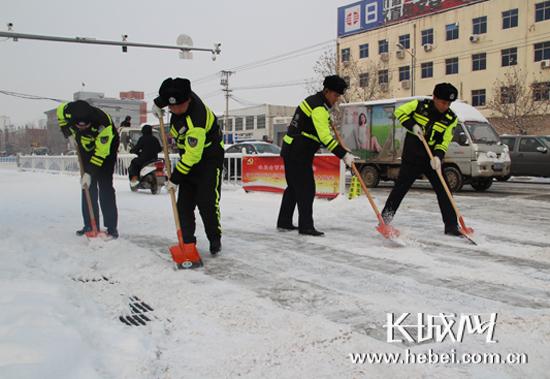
x=262 y=122
x=407 y=46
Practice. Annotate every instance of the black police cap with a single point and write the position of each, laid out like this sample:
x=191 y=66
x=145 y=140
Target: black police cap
x=445 y=91
x=80 y=111
x=335 y=83
x=173 y=91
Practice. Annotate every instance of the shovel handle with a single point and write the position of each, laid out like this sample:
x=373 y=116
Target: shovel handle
x=87 y=193
x=171 y=191
x=444 y=183
x=360 y=178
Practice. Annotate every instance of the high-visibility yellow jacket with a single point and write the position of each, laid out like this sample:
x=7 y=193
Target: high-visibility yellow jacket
x=197 y=135
x=309 y=129
x=97 y=143
x=438 y=128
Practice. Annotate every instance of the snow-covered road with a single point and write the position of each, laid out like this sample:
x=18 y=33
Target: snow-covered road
x=273 y=304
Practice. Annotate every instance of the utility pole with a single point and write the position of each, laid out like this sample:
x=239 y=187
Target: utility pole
x=225 y=83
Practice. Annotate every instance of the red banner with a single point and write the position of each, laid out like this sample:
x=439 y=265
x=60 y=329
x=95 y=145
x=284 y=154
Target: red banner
x=267 y=173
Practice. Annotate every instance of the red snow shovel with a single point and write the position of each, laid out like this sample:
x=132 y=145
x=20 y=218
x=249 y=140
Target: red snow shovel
x=185 y=255
x=466 y=231
x=95 y=232
x=386 y=230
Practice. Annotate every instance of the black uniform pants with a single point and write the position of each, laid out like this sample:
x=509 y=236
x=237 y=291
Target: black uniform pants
x=135 y=166
x=300 y=191
x=102 y=187
x=201 y=188
x=407 y=175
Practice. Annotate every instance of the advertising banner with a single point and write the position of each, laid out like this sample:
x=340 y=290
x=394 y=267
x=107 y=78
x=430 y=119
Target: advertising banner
x=368 y=14
x=360 y=16
x=268 y=174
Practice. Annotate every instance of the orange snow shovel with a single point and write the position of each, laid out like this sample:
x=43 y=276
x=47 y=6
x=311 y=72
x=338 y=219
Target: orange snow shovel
x=466 y=231
x=386 y=230
x=185 y=255
x=95 y=232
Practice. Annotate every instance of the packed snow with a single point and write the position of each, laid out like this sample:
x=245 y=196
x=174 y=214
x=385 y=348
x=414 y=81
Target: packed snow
x=274 y=305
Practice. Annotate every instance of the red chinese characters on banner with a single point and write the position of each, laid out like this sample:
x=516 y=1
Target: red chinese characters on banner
x=268 y=174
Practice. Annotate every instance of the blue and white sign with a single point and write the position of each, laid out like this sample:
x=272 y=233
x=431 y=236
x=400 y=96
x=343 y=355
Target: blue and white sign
x=361 y=16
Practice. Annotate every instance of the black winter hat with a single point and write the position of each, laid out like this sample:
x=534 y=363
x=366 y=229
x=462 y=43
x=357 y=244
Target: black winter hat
x=79 y=112
x=445 y=91
x=173 y=91
x=146 y=129
x=335 y=83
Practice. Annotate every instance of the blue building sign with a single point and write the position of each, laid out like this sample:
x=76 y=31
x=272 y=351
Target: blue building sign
x=360 y=16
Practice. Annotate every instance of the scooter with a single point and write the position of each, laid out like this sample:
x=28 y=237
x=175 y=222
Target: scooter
x=151 y=176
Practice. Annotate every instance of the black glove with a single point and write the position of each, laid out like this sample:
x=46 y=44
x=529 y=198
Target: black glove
x=66 y=131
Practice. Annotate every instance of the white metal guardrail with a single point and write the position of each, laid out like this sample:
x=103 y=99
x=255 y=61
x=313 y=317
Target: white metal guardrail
x=8 y=162
x=68 y=164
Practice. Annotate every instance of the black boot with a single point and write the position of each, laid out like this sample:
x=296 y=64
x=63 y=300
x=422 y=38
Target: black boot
x=312 y=232
x=113 y=233
x=215 y=247
x=286 y=228
x=83 y=231
x=453 y=230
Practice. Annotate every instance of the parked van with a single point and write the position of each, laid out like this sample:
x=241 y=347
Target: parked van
x=529 y=154
x=475 y=156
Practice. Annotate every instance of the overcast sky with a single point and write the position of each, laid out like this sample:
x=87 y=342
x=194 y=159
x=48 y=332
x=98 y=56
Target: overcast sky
x=249 y=31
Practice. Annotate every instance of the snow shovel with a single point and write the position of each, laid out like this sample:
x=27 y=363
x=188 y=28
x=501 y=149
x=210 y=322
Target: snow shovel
x=386 y=230
x=185 y=255
x=466 y=231
x=95 y=232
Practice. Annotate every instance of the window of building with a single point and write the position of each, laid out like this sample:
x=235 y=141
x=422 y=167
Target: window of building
x=404 y=73
x=405 y=40
x=427 y=37
x=508 y=95
x=238 y=123
x=479 y=61
x=346 y=54
x=229 y=125
x=510 y=19
x=542 y=11
x=364 y=50
x=542 y=51
x=260 y=122
x=249 y=123
x=479 y=25
x=346 y=79
x=451 y=31
x=451 y=66
x=382 y=46
x=363 y=80
x=383 y=77
x=509 y=57
x=478 y=97
x=541 y=91
x=427 y=69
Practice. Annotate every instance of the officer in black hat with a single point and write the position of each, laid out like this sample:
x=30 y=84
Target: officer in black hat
x=97 y=141
x=198 y=138
x=310 y=127
x=435 y=121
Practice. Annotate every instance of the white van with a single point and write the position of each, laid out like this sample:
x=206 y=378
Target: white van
x=475 y=155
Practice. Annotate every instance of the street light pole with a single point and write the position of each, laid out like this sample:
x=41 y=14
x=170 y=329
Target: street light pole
x=413 y=59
